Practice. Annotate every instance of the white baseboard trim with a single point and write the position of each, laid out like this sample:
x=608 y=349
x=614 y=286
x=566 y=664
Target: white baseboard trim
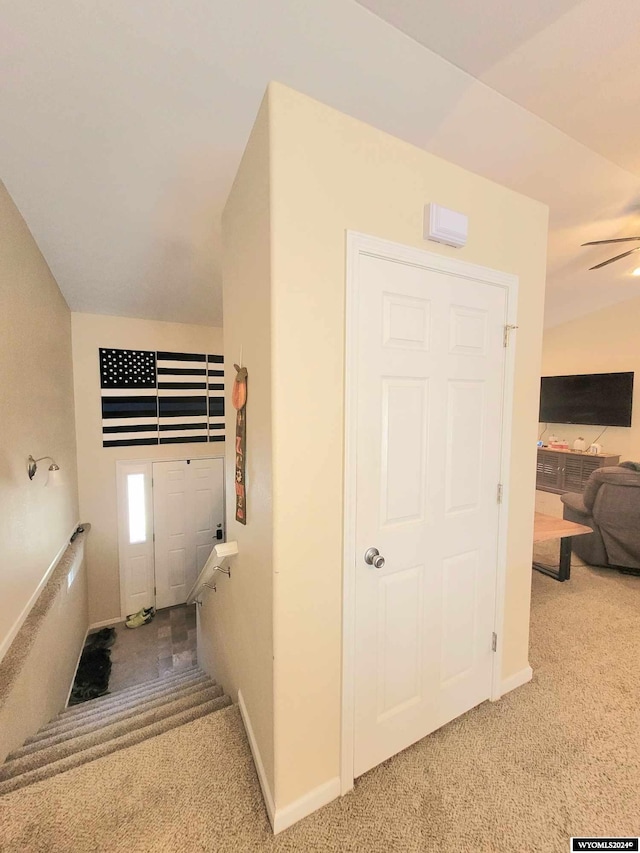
x=106 y=622
x=306 y=805
x=517 y=680
x=257 y=760
x=281 y=819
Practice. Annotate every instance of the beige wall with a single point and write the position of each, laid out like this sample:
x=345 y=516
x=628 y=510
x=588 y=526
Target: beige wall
x=36 y=417
x=606 y=341
x=235 y=640
x=37 y=672
x=331 y=173
x=97 y=464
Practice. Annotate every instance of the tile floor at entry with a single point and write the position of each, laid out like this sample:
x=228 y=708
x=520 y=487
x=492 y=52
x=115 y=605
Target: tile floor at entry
x=163 y=646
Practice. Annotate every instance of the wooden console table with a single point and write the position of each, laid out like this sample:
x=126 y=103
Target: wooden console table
x=547 y=527
x=560 y=471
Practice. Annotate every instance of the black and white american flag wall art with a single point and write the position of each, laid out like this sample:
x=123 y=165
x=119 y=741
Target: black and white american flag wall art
x=129 y=397
x=182 y=397
x=161 y=397
x=215 y=382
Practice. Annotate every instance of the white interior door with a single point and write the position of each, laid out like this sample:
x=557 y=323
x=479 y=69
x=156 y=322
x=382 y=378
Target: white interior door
x=188 y=501
x=430 y=367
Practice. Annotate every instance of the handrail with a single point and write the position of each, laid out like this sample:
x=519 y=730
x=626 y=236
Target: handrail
x=205 y=579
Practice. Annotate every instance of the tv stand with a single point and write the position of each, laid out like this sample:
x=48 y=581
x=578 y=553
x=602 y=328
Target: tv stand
x=561 y=471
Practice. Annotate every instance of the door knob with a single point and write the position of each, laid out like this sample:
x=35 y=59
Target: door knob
x=373 y=557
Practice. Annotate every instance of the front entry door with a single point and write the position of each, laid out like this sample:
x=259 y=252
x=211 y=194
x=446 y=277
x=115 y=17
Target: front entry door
x=430 y=371
x=188 y=508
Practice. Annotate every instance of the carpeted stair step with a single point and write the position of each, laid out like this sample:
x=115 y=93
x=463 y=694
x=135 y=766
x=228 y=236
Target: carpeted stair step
x=158 y=685
x=119 y=711
x=54 y=752
x=137 y=690
x=98 y=750
x=63 y=722
x=187 y=672
x=172 y=677
x=133 y=717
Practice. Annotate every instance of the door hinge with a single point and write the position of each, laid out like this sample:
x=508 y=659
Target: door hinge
x=500 y=491
x=494 y=642
x=507 y=331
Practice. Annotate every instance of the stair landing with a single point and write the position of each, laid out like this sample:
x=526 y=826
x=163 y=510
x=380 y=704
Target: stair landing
x=163 y=646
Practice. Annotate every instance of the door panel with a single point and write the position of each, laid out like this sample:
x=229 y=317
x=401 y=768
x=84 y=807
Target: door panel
x=459 y=604
x=138 y=571
x=172 y=546
x=202 y=555
x=430 y=368
x=177 y=565
x=406 y=322
x=400 y=658
x=207 y=477
x=403 y=434
x=188 y=501
x=465 y=417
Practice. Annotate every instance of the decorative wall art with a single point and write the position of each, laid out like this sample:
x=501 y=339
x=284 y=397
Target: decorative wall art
x=239 y=401
x=161 y=397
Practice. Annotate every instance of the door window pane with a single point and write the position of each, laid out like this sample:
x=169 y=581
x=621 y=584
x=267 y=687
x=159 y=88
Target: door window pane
x=137 y=509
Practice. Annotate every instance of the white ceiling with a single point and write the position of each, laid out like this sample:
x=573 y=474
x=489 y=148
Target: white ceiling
x=123 y=125
x=572 y=62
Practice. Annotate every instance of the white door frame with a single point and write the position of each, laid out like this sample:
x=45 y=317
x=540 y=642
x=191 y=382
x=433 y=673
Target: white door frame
x=362 y=244
x=121 y=471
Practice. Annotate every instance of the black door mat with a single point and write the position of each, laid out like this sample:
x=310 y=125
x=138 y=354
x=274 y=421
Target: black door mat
x=94 y=669
x=103 y=639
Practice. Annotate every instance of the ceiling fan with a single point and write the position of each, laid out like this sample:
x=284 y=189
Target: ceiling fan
x=617 y=257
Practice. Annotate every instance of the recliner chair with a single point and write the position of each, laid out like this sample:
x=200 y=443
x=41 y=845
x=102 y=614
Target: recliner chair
x=610 y=505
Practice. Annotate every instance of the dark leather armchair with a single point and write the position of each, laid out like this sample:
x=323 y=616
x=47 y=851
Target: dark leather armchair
x=610 y=505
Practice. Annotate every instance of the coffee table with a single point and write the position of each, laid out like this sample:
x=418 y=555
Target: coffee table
x=547 y=527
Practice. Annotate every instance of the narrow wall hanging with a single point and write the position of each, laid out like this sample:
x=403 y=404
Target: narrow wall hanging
x=239 y=400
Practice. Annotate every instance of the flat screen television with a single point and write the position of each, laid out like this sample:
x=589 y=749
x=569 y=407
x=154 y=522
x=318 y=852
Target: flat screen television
x=600 y=399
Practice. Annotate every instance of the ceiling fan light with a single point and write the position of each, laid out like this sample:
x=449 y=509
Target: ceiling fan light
x=636 y=271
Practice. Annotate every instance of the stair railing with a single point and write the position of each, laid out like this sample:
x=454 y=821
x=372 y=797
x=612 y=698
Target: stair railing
x=206 y=578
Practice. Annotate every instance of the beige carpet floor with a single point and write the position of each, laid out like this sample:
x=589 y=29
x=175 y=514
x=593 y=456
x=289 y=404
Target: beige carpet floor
x=557 y=757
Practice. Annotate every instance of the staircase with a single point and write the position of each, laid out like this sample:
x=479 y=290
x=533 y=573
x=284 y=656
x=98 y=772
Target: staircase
x=102 y=726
